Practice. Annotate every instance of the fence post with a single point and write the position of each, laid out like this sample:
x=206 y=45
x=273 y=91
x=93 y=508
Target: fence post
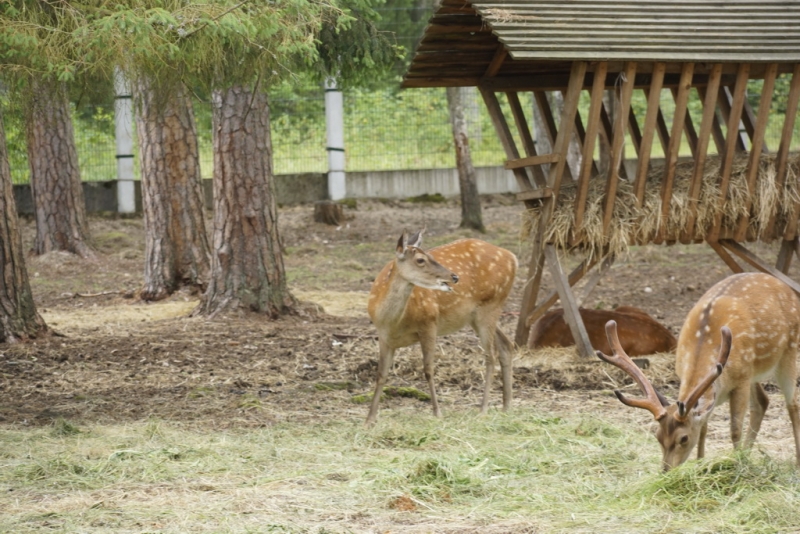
x=334 y=121
x=123 y=132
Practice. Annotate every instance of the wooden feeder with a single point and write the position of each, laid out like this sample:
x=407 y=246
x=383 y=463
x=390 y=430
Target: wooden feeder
x=749 y=191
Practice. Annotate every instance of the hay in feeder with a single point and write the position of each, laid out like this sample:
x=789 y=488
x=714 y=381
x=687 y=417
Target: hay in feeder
x=637 y=226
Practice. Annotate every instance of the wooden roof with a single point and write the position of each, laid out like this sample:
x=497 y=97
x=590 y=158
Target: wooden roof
x=465 y=40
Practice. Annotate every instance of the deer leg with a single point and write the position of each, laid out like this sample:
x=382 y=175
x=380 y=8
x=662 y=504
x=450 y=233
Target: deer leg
x=503 y=345
x=701 y=442
x=758 y=407
x=428 y=343
x=740 y=398
x=385 y=359
x=786 y=381
x=486 y=334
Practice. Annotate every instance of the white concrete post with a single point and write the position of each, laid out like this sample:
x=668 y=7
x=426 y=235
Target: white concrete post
x=123 y=130
x=334 y=120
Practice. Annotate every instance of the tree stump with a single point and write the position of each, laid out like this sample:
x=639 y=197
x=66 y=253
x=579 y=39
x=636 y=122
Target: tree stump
x=328 y=212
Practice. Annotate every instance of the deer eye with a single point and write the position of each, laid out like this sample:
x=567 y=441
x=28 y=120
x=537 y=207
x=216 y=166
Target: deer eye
x=420 y=261
x=684 y=440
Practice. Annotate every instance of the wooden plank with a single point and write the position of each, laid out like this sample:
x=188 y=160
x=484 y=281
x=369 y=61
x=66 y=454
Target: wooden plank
x=653 y=110
x=608 y=130
x=784 y=260
x=535 y=194
x=547 y=81
x=781 y=162
x=531 y=160
x=727 y=258
x=623 y=96
x=635 y=132
x=506 y=139
x=525 y=135
x=671 y=157
x=706 y=124
x=732 y=141
x=593 y=280
x=739 y=250
x=757 y=140
x=688 y=128
x=500 y=56
x=725 y=99
x=571 y=313
x=749 y=121
x=543 y=105
x=580 y=132
x=716 y=129
x=554 y=179
x=598 y=88
x=574 y=277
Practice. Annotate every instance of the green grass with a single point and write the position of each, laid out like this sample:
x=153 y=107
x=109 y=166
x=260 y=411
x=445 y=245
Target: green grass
x=502 y=472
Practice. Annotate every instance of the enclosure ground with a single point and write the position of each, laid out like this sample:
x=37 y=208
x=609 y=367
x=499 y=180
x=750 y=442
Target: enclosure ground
x=118 y=363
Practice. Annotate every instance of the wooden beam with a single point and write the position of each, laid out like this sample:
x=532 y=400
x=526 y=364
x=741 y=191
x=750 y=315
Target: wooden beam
x=535 y=194
x=500 y=56
x=758 y=263
x=725 y=102
x=506 y=139
x=525 y=135
x=571 y=313
x=623 y=96
x=574 y=277
x=732 y=141
x=554 y=178
x=688 y=127
x=757 y=140
x=716 y=129
x=543 y=106
x=635 y=132
x=580 y=132
x=589 y=141
x=653 y=109
x=678 y=123
x=781 y=163
x=785 y=254
x=593 y=280
x=706 y=123
x=727 y=258
x=531 y=161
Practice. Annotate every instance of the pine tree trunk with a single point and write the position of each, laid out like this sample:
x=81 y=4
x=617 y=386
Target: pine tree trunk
x=55 y=178
x=247 y=268
x=470 y=200
x=176 y=243
x=18 y=317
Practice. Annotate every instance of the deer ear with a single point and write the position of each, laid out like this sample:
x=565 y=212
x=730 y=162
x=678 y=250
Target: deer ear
x=416 y=239
x=401 y=245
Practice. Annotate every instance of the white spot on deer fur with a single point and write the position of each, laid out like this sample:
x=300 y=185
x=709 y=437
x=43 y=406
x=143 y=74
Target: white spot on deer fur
x=698 y=334
x=707 y=329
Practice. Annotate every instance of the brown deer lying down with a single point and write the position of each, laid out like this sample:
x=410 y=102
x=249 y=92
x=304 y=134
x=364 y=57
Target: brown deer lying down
x=744 y=330
x=639 y=332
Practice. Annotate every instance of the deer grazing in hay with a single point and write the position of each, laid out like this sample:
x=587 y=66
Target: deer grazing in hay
x=421 y=295
x=749 y=321
x=640 y=333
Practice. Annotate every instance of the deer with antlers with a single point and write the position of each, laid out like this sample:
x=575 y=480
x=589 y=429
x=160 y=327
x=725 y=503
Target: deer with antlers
x=421 y=295
x=744 y=330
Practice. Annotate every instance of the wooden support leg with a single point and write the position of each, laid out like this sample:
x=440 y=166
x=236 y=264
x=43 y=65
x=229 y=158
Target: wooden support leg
x=529 y=295
x=587 y=289
x=574 y=277
x=785 y=255
x=571 y=313
x=758 y=263
x=729 y=261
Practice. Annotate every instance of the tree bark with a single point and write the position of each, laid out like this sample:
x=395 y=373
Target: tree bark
x=18 y=317
x=176 y=242
x=55 y=178
x=247 y=268
x=471 y=216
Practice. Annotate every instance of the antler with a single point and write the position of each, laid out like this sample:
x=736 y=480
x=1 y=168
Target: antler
x=700 y=389
x=654 y=402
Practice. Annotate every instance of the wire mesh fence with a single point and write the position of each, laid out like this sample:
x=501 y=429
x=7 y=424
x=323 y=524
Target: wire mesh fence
x=384 y=130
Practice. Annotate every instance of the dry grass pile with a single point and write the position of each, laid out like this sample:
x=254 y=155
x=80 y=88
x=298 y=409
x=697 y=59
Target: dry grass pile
x=631 y=225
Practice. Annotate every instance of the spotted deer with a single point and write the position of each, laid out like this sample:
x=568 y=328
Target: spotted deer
x=744 y=330
x=421 y=295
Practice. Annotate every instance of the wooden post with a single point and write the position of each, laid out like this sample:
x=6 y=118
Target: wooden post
x=653 y=109
x=590 y=138
x=571 y=313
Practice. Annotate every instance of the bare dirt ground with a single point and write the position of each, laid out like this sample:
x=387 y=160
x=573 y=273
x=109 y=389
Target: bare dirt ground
x=117 y=359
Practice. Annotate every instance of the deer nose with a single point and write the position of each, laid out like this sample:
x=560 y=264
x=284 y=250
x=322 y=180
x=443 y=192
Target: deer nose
x=455 y=278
